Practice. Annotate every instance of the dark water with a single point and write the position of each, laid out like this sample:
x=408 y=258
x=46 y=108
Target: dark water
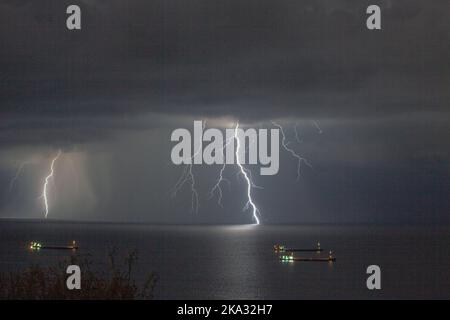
x=238 y=262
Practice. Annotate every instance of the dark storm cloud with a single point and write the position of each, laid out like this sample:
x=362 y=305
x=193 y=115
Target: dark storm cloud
x=257 y=58
x=381 y=97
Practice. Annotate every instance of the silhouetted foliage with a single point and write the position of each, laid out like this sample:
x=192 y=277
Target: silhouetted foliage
x=36 y=282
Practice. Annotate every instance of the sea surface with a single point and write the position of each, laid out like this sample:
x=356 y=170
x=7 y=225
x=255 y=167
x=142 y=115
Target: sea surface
x=238 y=262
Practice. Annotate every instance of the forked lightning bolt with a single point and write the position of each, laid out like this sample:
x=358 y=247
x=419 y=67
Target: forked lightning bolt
x=217 y=187
x=46 y=181
x=188 y=176
x=285 y=145
x=250 y=202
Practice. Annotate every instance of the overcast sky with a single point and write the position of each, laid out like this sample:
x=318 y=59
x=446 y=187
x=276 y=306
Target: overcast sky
x=110 y=95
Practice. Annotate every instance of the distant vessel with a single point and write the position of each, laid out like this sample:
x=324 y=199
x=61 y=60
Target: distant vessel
x=38 y=246
x=291 y=258
x=283 y=248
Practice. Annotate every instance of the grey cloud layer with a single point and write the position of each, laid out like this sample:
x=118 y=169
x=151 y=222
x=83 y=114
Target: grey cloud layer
x=139 y=68
x=257 y=58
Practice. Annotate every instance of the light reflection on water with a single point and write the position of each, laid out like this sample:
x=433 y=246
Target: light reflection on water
x=225 y=262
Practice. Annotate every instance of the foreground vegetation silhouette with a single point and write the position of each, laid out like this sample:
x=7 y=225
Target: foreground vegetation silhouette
x=49 y=283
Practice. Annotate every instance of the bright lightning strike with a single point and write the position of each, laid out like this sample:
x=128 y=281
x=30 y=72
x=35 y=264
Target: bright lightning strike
x=285 y=145
x=187 y=176
x=47 y=179
x=250 y=202
x=217 y=187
